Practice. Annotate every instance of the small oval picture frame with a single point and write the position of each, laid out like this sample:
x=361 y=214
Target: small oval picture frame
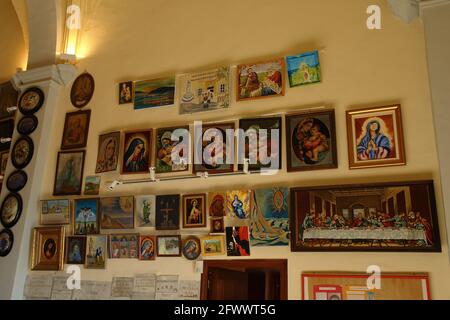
x=27 y=125
x=11 y=210
x=191 y=248
x=16 y=181
x=22 y=152
x=6 y=242
x=82 y=90
x=31 y=101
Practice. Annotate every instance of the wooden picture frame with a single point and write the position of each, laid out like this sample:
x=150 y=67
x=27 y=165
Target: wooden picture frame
x=147 y=248
x=126 y=92
x=123 y=246
x=117 y=213
x=62 y=187
x=133 y=142
x=55 y=212
x=191 y=248
x=167 y=212
x=48 y=249
x=76 y=250
x=96 y=251
x=82 y=90
x=108 y=152
x=192 y=204
x=86 y=216
x=173 y=238
x=163 y=160
x=76 y=130
x=213 y=246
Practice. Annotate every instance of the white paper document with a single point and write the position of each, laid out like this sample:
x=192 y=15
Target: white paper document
x=60 y=290
x=189 y=290
x=144 y=287
x=38 y=287
x=122 y=287
x=93 y=290
x=167 y=287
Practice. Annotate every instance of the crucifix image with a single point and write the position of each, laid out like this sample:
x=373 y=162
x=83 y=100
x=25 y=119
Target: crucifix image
x=166 y=211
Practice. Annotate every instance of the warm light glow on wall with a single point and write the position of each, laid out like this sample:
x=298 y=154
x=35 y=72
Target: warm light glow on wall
x=72 y=31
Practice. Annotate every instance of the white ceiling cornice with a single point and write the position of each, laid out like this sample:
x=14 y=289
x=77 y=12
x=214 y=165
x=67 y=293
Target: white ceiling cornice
x=425 y=4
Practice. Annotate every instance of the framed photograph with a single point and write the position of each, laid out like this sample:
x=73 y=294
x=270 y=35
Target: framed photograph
x=154 y=93
x=48 y=249
x=31 y=101
x=205 y=91
x=266 y=151
x=258 y=80
x=219 y=160
x=375 y=137
x=82 y=90
x=126 y=92
x=96 y=252
x=11 y=210
x=169 y=246
x=6 y=242
x=269 y=222
x=389 y=217
x=55 y=211
x=123 y=246
x=108 y=152
x=147 y=245
x=75 y=250
x=168 y=212
x=238 y=204
x=137 y=146
x=86 y=216
x=69 y=173
x=145 y=211
x=194 y=211
x=22 y=152
x=163 y=150
x=238 y=242
x=217 y=225
x=17 y=181
x=213 y=246
x=217 y=204
x=311 y=141
x=303 y=69
x=8 y=99
x=76 y=129
x=92 y=185
x=4 y=156
x=27 y=125
x=117 y=212
x=6 y=131
x=191 y=248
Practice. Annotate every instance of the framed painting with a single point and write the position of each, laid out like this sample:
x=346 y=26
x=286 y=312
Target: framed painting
x=75 y=250
x=11 y=210
x=22 y=152
x=375 y=137
x=389 y=217
x=303 y=69
x=6 y=242
x=260 y=142
x=191 y=248
x=168 y=212
x=76 y=130
x=136 y=152
x=96 y=252
x=8 y=99
x=31 y=101
x=194 y=211
x=123 y=246
x=154 y=93
x=259 y=80
x=213 y=246
x=69 y=173
x=216 y=204
x=27 y=125
x=238 y=204
x=269 y=219
x=147 y=246
x=82 y=90
x=164 y=146
x=6 y=131
x=108 y=152
x=55 y=211
x=4 y=156
x=16 y=181
x=92 y=185
x=217 y=225
x=126 y=92
x=169 y=246
x=205 y=91
x=311 y=141
x=48 y=249
x=238 y=242
x=214 y=156
x=145 y=211
x=86 y=216
x=117 y=212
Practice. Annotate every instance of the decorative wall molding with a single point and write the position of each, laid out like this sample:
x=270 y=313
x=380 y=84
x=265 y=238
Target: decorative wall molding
x=62 y=74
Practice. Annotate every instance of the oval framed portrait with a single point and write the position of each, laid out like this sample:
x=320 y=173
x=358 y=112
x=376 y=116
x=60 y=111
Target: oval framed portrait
x=82 y=90
x=11 y=210
x=6 y=242
x=16 y=181
x=27 y=125
x=31 y=101
x=22 y=152
x=191 y=248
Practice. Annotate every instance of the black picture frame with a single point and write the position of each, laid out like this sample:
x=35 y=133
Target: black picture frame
x=18 y=187
x=17 y=214
x=89 y=90
x=27 y=125
x=29 y=156
x=169 y=206
x=11 y=242
x=37 y=106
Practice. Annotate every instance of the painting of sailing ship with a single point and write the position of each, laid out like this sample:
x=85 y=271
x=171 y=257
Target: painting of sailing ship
x=269 y=217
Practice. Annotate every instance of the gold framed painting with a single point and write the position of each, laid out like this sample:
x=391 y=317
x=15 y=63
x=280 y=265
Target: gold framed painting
x=48 y=249
x=213 y=246
x=375 y=137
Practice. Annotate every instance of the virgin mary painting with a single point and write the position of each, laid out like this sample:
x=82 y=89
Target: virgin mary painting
x=136 y=157
x=374 y=144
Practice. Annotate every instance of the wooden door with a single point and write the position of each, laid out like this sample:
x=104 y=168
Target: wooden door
x=225 y=284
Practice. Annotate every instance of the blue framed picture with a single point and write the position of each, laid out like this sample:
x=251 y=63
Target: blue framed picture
x=303 y=69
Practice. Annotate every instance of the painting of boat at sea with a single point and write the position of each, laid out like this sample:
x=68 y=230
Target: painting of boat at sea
x=154 y=93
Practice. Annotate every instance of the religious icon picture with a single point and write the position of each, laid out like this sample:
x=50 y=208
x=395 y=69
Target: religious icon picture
x=76 y=129
x=92 y=185
x=191 y=248
x=123 y=246
x=82 y=90
x=168 y=246
x=194 y=211
x=4 y=155
x=126 y=92
x=69 y=173
x=6 y=131
x=22 y=152
x=238 y=204
x=238 y=244
x=168 y=212
x=154 y=93
x=16 y=181
x=27 y=125
x=31 y=101
x=117 y=212
x=263 y=79
x=217 y=225
x=55 y=212
x=147 y=247
x=375 y=137
x=11 y=210
x=216 y=204
x=96 y=252
x=165 y=162
x=145 y=211
x=205 y=91
x=48 y=249
x=75 y=250
x=108 y=152
x=6 y=242
x=213 y=246
x=303 y=68
x=86 y=216
x=311 y=141
x=136 y=152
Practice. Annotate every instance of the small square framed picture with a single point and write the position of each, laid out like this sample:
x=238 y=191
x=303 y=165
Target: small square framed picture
x=48 y=249
x=92 y=185
x=213 y=246
x=169 y=246
x=126 y=92
x=217 y=225
x=194 y=211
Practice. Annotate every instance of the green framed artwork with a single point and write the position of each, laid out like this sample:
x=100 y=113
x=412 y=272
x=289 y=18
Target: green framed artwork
x=304 y=69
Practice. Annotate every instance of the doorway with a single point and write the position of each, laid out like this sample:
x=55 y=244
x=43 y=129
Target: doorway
x=244 y=280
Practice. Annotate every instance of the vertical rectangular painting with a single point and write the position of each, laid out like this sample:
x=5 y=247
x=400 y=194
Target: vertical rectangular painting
x=154 y=93
x=96 y=252
x=145 y=211
x=194 y=211
x=238 y=204
x=168 y=141
x=168 y=212
x=238 y=244
x=123 y=246
x=75 y=250
x=4 y=155
x=117 y=212
x=86 y=216
x=69 y=173
x=136 y=157
x=269 y=224
x=216 y=204
x=303 y=69
x=126 y=92
x=205 y=91
x=76 y=129
x=92 y=185
x=108 y=152
x=147 y=248
x=48 y=249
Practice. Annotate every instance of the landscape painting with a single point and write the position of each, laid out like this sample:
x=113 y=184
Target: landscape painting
x=117 y=212
x=303 y=68
x=154 y=93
